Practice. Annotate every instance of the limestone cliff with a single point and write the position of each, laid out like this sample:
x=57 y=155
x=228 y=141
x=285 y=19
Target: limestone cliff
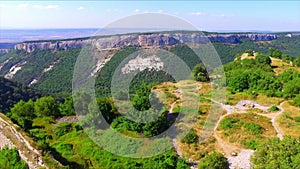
x=144 y=40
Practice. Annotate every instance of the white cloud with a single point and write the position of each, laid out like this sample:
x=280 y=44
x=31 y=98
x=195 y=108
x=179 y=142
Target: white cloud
x=45 y=6
x=52 y=7
x=198 y=14
x=160 y=11
x=81 y=8
x=23 y=6
x=137 y=10
x=220 y=15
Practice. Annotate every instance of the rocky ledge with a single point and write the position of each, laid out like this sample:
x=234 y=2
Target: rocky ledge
x=143 y=40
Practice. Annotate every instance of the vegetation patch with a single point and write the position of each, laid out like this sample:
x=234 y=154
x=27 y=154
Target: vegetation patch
x=274 y=153
x=245 y=130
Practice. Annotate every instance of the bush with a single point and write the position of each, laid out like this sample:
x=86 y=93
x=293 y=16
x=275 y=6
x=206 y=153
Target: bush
x=277 y=153
x=214 y=161
x=297 y=118
x=273 y=109
x=200 y=73
x=297 y=100
x=228 y=123
x=252 y=144
x=64 y=148
x=254 y=128
x=191 y=137
x=10 y=158
x=63 y=128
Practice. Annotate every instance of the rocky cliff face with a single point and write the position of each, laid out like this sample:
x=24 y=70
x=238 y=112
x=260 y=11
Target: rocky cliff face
x=4 y=51
x=143 y=40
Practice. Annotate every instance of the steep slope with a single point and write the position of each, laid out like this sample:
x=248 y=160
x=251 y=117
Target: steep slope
x=11 y=93
x=48 y=65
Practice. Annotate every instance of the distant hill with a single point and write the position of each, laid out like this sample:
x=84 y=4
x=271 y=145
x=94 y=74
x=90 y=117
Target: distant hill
x=48 y=64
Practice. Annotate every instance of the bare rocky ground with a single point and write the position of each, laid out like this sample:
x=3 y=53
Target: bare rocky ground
x=10 y=137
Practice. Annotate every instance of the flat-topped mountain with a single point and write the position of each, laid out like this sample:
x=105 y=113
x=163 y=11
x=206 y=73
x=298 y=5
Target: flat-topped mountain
x=141 y=40
x=48 y=64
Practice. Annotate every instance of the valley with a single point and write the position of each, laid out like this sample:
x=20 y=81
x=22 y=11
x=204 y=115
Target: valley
x=229 y=119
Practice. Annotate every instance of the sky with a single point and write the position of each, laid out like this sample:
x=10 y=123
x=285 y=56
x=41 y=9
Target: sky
x=205 y=15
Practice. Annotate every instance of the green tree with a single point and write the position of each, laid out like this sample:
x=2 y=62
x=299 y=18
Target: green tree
x=10 y=159
x=182 y=164
x=277 y=153
x=141 y=99
x=191 y=137
x=275 y=53
x=23 y=113
x=67 y=108
x=106 y=107
x=214 y=161
x=297 y=61
x=297 y=100
x=263 y=59
x=46 y=106
x=200 y=73
x=291 y=88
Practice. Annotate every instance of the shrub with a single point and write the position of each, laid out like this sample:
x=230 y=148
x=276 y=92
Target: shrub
x=273 y=109
x=297 y=100
x=228 y=123
x=252 y=144
x=214 y=161
x=63 y=128
x=297 y=118
x=254 y=128
x=10 y=158
x=191 y=137
x=277 y=153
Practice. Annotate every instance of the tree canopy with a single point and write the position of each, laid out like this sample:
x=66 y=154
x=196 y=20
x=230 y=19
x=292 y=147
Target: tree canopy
x=277 y=154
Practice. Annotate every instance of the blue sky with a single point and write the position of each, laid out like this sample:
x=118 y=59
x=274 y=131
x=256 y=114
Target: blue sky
x=206 y=15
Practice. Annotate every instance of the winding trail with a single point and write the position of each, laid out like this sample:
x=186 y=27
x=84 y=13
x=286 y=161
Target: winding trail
x=12 y=138
x=273 y=117
x=242 y=158
x=174 y=141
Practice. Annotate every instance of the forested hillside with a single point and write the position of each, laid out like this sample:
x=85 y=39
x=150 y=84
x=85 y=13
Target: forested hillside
x=53 y=70
x=12 y=92
x=257 y=122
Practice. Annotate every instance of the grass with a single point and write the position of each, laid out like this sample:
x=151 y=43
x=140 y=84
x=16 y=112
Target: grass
x=233 y=99
x=256 y=110
x=239 y=129
x=288 y=122
x=265 y=100
x=197 y=151
x=280 y=66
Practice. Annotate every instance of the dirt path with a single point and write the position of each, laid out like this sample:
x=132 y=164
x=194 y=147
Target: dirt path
x=11 y=137
x=273 y=117
x=242 y=160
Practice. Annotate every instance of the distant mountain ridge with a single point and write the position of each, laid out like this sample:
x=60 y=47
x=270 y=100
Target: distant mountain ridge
x=48 y=64
x=143 y=40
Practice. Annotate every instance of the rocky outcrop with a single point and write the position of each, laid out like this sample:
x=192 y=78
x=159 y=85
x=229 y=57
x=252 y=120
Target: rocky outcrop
x=4 y=51
x=143 y=40
x=236 y=38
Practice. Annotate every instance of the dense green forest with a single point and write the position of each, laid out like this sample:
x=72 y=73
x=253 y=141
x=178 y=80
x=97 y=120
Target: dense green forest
x=10 y=158
x=12 y=92
x=59 y=78
x=255 y=76
x=67 y=142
